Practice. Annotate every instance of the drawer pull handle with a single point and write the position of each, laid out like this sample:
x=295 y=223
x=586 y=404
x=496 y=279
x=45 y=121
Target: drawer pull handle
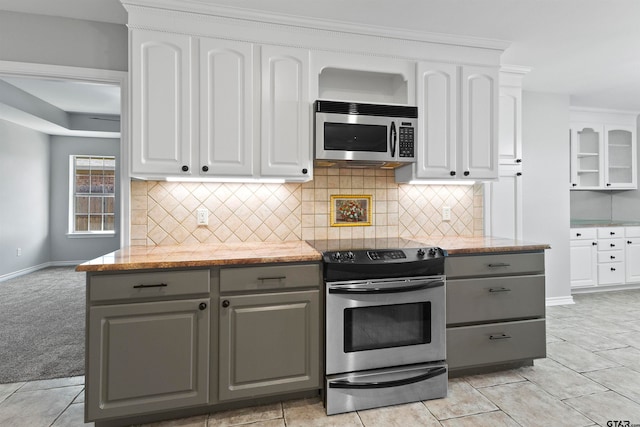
x=499 y=337
x=498 y=264
x=272 y=278
x=159 y=285
x=497 y=290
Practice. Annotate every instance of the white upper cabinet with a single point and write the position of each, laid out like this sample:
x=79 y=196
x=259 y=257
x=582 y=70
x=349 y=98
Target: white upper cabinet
x=286 y=113
x=437 y=92
x=458 y=123
x=603 y=150
x=226 y=108
x=479 y=148
x=161 y=100
x=510 y=134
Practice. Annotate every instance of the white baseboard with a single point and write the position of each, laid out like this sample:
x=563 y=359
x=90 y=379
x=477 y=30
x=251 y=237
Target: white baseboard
x=38 y=267
x=549 y=301
x=605 y=288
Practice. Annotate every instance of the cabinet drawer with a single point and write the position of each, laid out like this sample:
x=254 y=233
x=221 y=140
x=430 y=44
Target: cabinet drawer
x=495 y=343
x=270 y=277
x=610 y=244
x=632 y=232
x=610 y=232
x=610 y=273
x=610 y=256
x=583 y=233
x=148 y=285
x=495 y=298
x=494 y=265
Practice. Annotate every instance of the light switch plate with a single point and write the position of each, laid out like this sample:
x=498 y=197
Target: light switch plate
x=446 y=213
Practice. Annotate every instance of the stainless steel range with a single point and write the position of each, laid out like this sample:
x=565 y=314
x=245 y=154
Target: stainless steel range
x=384 y=323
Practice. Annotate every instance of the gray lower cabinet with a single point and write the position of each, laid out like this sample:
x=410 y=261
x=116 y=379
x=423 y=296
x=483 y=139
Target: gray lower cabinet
x=495 y=310
x=147 y=357
x=269 y=341
x=148 y=342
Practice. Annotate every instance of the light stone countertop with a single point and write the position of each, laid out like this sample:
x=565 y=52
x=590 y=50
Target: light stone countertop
x=591 y=223
x=207 y=255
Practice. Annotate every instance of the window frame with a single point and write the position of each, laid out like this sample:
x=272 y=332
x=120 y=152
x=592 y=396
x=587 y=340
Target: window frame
x=73 y=195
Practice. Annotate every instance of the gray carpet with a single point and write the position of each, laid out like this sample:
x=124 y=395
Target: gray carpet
x=42 y=325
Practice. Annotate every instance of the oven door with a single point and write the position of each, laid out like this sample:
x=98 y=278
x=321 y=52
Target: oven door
x=383 y=323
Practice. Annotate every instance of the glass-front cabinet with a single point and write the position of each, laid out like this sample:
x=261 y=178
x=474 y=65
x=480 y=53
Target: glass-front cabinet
x=620 y=157
x=587 y=157
x=603 y=150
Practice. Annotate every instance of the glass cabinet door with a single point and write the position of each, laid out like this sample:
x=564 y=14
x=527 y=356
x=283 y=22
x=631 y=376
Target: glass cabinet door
x=588 y=157
x=620 y=157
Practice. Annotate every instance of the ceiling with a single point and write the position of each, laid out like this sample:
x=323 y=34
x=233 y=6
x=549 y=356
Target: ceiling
x=588 y=49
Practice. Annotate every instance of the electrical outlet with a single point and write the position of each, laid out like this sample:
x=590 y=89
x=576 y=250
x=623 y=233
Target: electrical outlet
x=19 y=252
x=202 y=215
x=446 y=213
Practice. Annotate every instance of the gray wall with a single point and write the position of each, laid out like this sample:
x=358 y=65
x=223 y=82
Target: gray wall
x=546 y=191
x=24 y=198
x=591 y=204
x=62 y=41
x=64 y=247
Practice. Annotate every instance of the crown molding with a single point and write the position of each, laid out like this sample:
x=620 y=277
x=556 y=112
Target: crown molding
x=203 y=7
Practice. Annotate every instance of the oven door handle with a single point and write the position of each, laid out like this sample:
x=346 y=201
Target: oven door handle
x=387 y=290
x=433 y=372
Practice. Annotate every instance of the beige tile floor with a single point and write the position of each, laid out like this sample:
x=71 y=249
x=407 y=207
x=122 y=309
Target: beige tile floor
x=591 y=376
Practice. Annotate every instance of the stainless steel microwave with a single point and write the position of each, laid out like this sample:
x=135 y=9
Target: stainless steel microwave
x=349 y=134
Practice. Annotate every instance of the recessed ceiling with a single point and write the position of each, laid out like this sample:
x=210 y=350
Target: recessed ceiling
x=588 y=49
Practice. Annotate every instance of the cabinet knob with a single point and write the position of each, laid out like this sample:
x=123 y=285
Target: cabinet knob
x=466 y=173
x=578 y=234
x=452 y=173
x=518 y=160
x=202 y=306
x=518 y=173
x=575 y=185
x=205 y=168
x=612 y=257
x=612 y=245
x=608 y=185
x=594 y=243
x=613 y=269
x=612 y=233
x=185 y=168
x=629 y=242
x=305 y=171
x=226 y=303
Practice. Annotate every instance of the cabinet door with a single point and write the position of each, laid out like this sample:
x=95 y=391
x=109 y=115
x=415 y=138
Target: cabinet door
x=269 y=343
x=620 y=157
x=583 y=255
x=226 y=108
x=147 y=357
x=632 y=255
x=510 y=132
x=286 y=111
x=586 y=156
x=479 y=109
x=160 y=103
x=437 y=106
x=504 y=204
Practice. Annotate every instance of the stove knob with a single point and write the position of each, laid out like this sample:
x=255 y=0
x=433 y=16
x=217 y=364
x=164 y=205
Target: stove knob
x=420 y=253
x=350 y=255
x=337 y=256
x=432 y=252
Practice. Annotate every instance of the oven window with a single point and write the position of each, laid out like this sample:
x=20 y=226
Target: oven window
x=350 y=137
x=370 y=328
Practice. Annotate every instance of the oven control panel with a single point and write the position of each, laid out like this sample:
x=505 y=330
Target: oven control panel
x=383 y=255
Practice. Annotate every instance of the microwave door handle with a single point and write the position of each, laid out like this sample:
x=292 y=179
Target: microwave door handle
x=392 y=139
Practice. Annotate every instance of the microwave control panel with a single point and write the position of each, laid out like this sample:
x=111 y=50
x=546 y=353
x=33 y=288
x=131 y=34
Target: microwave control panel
x=406 y=141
